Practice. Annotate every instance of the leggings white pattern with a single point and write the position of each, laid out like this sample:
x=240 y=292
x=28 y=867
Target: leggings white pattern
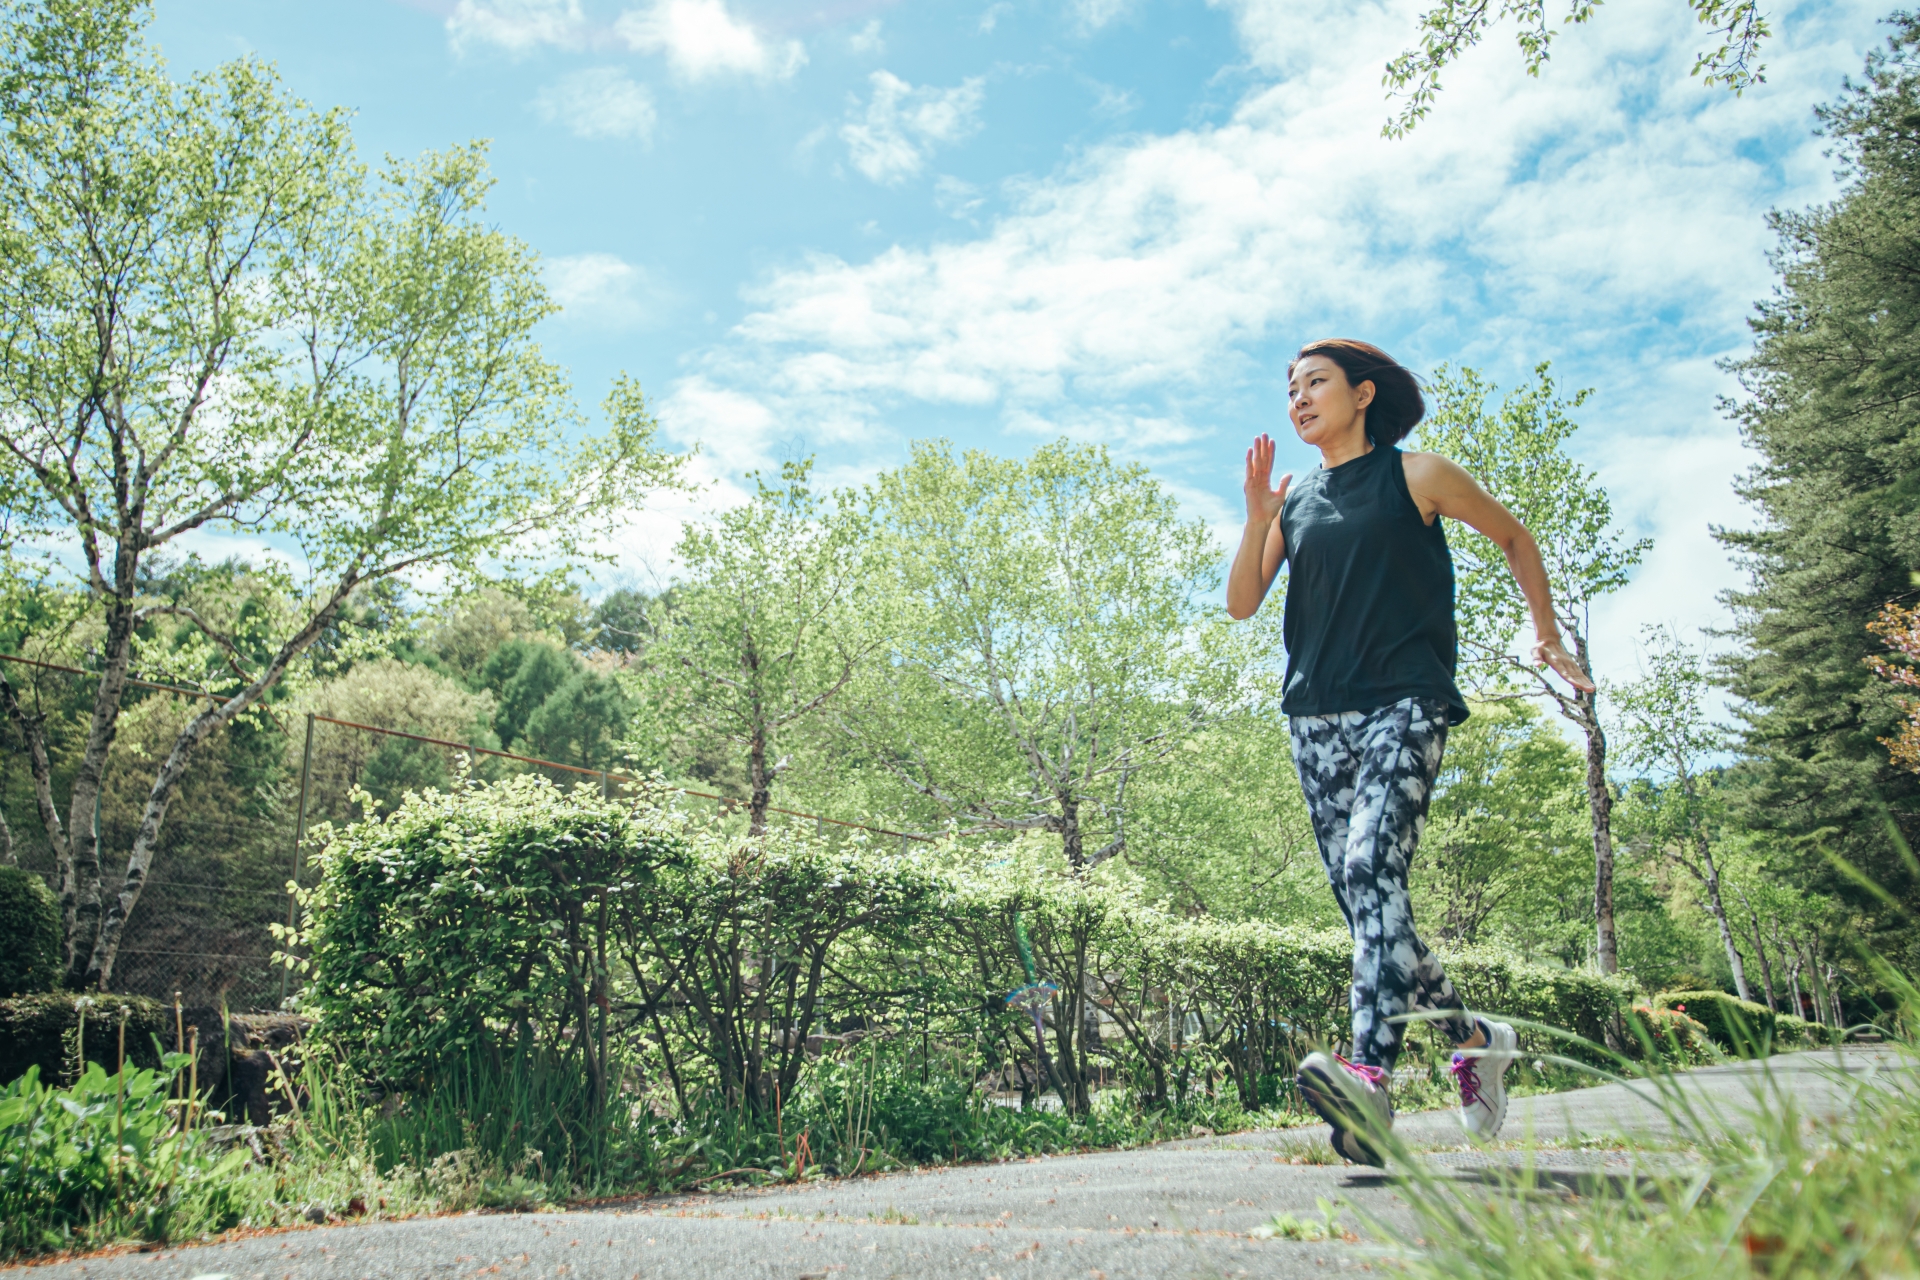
x=1367 y=776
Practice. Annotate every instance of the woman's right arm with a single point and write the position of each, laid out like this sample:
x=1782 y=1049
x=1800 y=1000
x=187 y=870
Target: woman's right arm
x=1262 y=545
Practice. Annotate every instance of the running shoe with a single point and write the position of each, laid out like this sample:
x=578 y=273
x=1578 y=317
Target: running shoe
x=1481 y=1073
x=1353 y=1099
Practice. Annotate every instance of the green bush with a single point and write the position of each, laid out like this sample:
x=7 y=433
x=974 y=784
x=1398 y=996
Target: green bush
x=462 y=924
x=1247 y=996
x=1736 y=1025
x=30 y=925
x=1585 y=1004
x=512 y=970
x=103 y=1160
x=1668 y=1036
x=464 y=940
x=1790 y=1032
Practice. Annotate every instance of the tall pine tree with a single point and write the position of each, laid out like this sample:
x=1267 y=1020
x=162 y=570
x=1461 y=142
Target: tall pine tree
x=1833 y=409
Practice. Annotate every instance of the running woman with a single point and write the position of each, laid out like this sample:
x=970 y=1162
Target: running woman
x=1371 y=650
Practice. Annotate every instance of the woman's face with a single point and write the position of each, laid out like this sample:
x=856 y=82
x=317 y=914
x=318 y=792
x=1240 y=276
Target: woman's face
x=1324 y=407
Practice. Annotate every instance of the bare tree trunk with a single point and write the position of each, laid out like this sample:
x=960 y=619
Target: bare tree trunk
x=1071 y=838
x=1810 y=963
x=32 y=732
x=1791 y=959
x=106 y=947
x=1760 y=950
x=759 y=782
x=759 y=776
x=1712 y=881
x=106 y=939
x=6 y=832
x=1600 y=809
x=80 y=889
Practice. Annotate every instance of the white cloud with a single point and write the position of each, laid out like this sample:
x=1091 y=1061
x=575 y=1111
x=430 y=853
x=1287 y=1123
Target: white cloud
x=700 y=38
x=956 y=198
x=1609 y=216
x=600 y=102
x=991 y=18
x=867 y=41
x=602 y=288
x=1091 y=15
x=1676 y=490
x=1110 y=102
x=517 y=26
x=899 y=128
x=1541 y=216
x=739 y=432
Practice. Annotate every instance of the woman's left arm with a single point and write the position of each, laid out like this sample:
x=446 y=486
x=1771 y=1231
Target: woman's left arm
x=1440 y=487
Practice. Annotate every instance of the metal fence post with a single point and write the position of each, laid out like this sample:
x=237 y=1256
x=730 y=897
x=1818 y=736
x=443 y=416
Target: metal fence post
x=299 y=838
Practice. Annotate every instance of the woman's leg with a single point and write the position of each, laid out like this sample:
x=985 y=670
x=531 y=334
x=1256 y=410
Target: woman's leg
x=1325 y=756
x=1398 y=751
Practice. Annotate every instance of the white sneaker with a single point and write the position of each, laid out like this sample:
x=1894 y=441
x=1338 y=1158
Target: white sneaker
x=1353 y=1099
x=1480 y=1073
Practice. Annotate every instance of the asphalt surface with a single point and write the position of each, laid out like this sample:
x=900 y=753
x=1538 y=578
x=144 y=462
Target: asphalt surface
x=1181 y=1209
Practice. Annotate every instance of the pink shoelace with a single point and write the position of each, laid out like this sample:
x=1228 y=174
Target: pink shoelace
x=1468 y=1078
x=1374 y=1076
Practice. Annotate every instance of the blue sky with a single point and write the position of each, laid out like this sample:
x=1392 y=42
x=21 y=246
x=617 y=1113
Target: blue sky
x=832 y=228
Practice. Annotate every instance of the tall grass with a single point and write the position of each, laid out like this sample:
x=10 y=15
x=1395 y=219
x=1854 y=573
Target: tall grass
x=1771 y=1187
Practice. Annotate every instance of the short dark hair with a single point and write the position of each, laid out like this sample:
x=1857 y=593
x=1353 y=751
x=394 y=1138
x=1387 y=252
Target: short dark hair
x=1397 y=404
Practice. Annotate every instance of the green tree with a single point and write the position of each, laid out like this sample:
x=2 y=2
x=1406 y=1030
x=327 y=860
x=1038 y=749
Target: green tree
x=522 y=675
x=1517 y=452
x=1670 y=734
x=218 y=320
x=761 y=634
x=1220 y=827
x=1050 y=639
x=1507 y=816
x=1832 y=409
x=1452 y=27
x=471 y=629
x=622 y=621
x=580 y=723
x=386 y=694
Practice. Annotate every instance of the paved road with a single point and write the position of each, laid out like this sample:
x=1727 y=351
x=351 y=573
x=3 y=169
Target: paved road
x=1161 y=1213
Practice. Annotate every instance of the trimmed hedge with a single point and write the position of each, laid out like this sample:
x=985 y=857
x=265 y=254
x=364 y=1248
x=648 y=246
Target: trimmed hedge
x=1736 y=1025
x=30 y=928
x=38 y=1031
x=1586 y=1004
x=599 y=937
x=1674 y=1038
x=1790 y=1032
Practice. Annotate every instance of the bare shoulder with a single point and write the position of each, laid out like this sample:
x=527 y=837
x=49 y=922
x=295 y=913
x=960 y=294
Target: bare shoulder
x=1427 y=471
x=1441 y=486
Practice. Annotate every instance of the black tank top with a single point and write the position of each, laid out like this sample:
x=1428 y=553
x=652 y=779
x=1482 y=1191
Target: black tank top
x=1369 y=616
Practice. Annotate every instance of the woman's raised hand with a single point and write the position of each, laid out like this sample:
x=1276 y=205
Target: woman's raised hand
x=1264 y=503
x=1551 y=653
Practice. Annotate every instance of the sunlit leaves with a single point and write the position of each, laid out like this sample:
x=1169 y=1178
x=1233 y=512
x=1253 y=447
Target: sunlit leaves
x=1452 y=27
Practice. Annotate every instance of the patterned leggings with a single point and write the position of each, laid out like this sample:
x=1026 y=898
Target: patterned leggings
x=1367 y=776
